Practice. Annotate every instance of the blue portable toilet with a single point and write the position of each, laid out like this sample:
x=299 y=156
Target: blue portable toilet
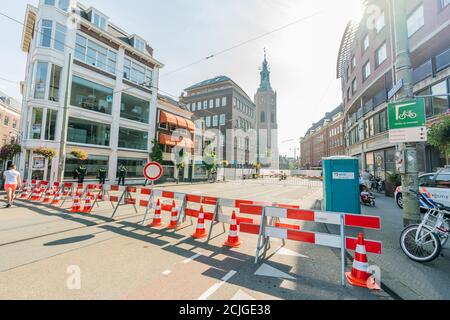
x=341 y=185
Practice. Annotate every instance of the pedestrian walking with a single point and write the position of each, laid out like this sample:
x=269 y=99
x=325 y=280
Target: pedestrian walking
x=365 y=178
x=122 y=173
x=102 y=175
x=12 y=183
x=81 y=172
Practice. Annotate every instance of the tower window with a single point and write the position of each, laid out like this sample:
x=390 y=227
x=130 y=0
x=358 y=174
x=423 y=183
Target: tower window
x=263 y=117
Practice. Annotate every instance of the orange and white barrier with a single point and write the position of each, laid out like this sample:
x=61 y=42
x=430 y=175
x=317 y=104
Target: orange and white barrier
x=271 y=230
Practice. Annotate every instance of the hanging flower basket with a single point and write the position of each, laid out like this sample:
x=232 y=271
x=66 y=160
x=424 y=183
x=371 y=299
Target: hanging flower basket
x=47 y=153
x=9 y=151
x=80 y=155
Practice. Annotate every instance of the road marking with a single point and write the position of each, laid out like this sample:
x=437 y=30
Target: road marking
x=195 y=256
x=286 y=252
x=217 y=286
x=267 y=271
x=166 y=273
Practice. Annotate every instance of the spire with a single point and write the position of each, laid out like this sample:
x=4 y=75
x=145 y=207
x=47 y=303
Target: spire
x=265 y=74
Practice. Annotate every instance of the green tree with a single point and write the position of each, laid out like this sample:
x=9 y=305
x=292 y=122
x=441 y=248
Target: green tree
x=9 y=151
x=157 y=152
x=210 y=161
x=439 y=137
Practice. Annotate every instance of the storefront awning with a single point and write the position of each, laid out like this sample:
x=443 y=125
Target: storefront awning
x=173 y=141
x=177 y=121
x=168 y=118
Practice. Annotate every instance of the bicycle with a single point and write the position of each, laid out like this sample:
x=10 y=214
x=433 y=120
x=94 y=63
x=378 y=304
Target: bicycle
x=424 y=242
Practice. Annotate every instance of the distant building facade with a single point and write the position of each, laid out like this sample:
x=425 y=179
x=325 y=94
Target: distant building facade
x=324 y=139
x=226 y=109
x=267 y=120
x=366 y=67
x=9 y=121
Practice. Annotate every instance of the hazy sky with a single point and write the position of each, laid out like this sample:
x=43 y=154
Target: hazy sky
x=302 y=57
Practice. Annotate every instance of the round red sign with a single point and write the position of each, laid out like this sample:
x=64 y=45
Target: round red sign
x=153 y=171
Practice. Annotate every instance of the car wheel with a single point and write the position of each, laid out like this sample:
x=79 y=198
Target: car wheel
x=399 y=201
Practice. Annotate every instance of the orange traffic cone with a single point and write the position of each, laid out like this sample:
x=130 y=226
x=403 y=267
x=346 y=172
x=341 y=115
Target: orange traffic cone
x=173 y=217
x=57 y=199
x=24 y=194
x=36 y=194
x=48 y=196
x=360 y=275
x=233 y=237
x=76 y=207
x=87 y=205
x=200 y=232
x=157 y=220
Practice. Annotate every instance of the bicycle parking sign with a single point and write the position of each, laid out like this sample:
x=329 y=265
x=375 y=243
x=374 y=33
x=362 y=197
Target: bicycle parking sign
x=407 y=121
x=407 y=114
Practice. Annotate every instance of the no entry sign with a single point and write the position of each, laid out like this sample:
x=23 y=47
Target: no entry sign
x=153 y=171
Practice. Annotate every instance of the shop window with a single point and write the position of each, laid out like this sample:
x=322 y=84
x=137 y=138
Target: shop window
x=134 y=166
x=36 y=123
x=133 y=139
x=93 y=165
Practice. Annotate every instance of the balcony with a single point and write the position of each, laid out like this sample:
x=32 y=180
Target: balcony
x=432 y=66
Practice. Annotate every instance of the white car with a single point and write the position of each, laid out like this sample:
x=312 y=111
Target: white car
x=434 y=186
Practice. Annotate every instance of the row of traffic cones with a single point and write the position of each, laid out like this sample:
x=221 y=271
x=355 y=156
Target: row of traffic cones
x=200 y=231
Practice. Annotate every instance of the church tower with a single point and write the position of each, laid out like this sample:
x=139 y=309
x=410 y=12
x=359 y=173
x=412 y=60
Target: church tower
x=267 y=120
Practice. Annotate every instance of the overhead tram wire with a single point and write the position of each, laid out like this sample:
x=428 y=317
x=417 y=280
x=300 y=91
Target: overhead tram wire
x=193 y=63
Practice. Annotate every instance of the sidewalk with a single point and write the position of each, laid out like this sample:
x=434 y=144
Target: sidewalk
x=408 y=279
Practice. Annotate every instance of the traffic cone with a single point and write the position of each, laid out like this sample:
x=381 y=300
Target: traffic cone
x=36 y=194
x=157 y=220
x=200 y=232
x=360 y=276
x=233 y=237
x=57 y=199
x=173 y=217
x=24 y=194
x=87 y=205
x=48 y=195
x=76 y=207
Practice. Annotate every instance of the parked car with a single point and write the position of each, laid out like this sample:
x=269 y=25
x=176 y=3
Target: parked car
x=435 y=186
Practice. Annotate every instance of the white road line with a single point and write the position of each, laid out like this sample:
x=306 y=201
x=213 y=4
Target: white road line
x=217 y=286
x=166 y=273
x=195 y=256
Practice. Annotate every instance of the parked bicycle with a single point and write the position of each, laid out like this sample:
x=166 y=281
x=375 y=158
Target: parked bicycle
x=424 y=242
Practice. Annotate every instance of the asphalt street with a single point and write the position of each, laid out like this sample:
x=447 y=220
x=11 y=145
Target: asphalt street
x=49 y=253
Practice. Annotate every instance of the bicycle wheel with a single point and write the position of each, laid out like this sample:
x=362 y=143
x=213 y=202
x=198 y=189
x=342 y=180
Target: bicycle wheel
x=425 y=249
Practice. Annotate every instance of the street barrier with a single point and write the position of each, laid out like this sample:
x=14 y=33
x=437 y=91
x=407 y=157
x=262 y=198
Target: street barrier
x=125 y=199
x=269 y=229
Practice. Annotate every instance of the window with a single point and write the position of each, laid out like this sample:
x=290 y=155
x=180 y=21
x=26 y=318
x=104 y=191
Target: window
x=272 y=117
x=134 y=166
x=199 y=106
x=6 y=121
x=224 y=101
x=381 y=55
x=211 y=103
x=14 y=125
x=217 y=102
x=46 y=33
x=428 y=109
x=426 y=181
x=366 y=42
x=93 y=164
x=208 y=121
x=133 y=139
x=415 y=21
x=139 y=44
x=366 y=70
x=188 y=107
x=440 y=103
x=36 y=123
x=383 y=121
x=64 y=4
x=443 y=181
x=222 y=119
x=138 y=74
x=354 y=87
x=444 y=3
x=50 y=126
x=99 y=20
x=91 y=96
x=96 y=55
x=40 y=81
x=55 y=78
x=88 y=132
x=60 y=37
x=215 y=121
x=205 y=105
x=134 y=108
x=263 y=117
x=380 y=22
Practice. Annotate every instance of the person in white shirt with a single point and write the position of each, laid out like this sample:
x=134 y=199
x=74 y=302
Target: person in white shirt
x=12 y=183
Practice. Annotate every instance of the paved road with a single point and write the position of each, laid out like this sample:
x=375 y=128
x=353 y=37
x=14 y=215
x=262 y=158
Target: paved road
x=42 y=250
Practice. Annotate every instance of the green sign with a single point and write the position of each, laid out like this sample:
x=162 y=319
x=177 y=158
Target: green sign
x=407 y=114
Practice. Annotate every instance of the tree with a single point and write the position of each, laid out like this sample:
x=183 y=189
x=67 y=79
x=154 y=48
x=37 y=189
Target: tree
x=157 y=152
x=439 y=137
x=210 y=161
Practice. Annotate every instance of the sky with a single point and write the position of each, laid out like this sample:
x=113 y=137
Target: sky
x=302 y=57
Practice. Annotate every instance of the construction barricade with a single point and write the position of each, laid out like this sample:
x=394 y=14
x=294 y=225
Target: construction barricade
x=269 y=229
x=126 y=198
